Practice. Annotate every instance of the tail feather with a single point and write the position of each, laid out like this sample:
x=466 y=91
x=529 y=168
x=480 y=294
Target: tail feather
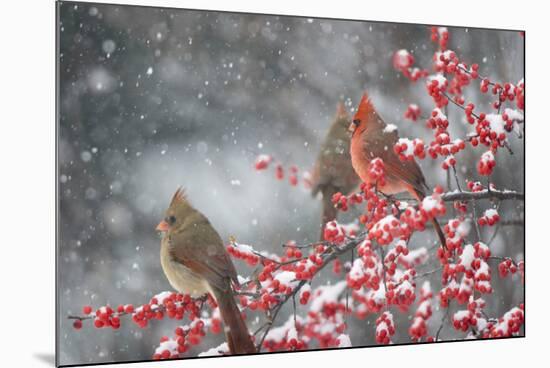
x=329 y=211
x=238 y=337
x=440 y=233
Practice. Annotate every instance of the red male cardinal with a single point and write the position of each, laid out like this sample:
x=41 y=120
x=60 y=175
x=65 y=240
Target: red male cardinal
x=195 y=261
x=333 y=171
x=372 y=138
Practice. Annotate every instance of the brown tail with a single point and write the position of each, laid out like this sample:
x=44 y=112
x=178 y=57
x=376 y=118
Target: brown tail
x=238 y=337
x=329 y=211
x=420 y=196
x=440 y=233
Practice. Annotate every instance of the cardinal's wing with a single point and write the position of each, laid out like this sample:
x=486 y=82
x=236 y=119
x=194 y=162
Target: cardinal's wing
x=380 y=144
x=199 y=247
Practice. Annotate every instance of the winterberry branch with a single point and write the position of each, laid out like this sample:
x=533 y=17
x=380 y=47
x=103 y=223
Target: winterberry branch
x=484 y=194
x=327 y=258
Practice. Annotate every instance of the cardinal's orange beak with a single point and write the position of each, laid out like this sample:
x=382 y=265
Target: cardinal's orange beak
x=163 y=226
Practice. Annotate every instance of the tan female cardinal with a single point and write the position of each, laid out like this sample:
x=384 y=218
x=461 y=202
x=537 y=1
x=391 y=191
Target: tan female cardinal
x=195 y=261
x=333 y=171
x=372 y=138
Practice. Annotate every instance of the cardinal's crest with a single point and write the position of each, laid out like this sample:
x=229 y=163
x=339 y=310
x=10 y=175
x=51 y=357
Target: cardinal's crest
x=179 y=196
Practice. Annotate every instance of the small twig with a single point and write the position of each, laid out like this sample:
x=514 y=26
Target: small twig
x=456 y=179
x=294 y=308
x=476 y=224
x=308 y=245
x=442 y=323
x=382 y=256
x=427 y=273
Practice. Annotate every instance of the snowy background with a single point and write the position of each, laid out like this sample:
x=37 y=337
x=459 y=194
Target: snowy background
x=151 y=99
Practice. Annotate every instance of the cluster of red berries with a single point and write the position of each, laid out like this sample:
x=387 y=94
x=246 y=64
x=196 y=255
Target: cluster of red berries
x=508 y=266
x=385 y=230
x=342 y=202
x=393 y=255
x=172 y=305
x=330 y=314
x=450 y=161
x=440 y=35
x=414 y=219
x=447 y=293
x=445 y=149
x=293 y=342
x=419 y=327
x=445 y=61
x=491 y=130
x=433 y=206
x=413 y=112
x=403 y=61
x=264 y=302
x=292 y=251
x=407 y=149
x=263 y=161
x=185 y=337
x=486 y=163
x=472 y=265
x=460 y=206
x=366 y=270
x=385 y=328
x=436 y=86
x=490 y=217
x=506 y=92
x=482 y=251
x=462 y=75
x=455 y=232
x=519 y=90
x=509 y=324
x=104 y=317
x=462 y=320
x=305 y=294
x=376 y=172
x=462 y=78
x=337 y=233
x=288 y=338
x=475 y=186
x=438 y=120
x=243 y=252
x=401 y=291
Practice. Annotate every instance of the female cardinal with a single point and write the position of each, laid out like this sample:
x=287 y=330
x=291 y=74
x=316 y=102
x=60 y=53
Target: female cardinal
x=333 y=172
x=195 y=261
x=372 y=138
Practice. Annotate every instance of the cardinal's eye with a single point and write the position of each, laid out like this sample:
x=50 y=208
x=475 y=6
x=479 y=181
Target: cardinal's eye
x=356 y=122
x=171 y=220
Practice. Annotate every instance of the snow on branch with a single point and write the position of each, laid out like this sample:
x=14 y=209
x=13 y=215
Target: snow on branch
x=484 y=194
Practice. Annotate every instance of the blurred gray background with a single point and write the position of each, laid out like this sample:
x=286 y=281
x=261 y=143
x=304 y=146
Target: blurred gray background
x=151 y=99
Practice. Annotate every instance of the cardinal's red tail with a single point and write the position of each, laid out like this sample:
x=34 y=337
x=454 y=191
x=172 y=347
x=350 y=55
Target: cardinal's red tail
x=238 y=337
